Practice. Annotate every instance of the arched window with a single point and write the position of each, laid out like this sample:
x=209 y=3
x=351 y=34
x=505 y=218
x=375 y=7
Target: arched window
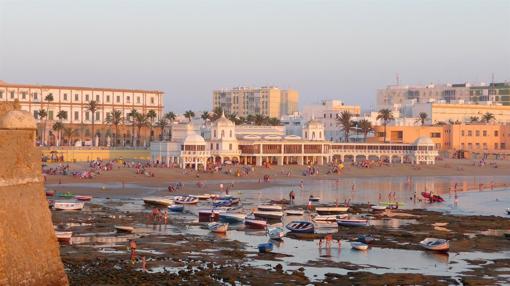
x=306 y=135
x=230 y=133
x=214 y=134
x=230 y=145
x=217 y=146
x=211 y=146
x=222 y=133
x=320 y=135
x=313 y=135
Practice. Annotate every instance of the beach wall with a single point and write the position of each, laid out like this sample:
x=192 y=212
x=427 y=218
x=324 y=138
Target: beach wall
x=82 y=155
x=29 y=251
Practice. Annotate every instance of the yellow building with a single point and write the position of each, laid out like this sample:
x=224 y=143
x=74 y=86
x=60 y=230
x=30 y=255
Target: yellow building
x=268 y=101
x=446 y=112
x=409 y=134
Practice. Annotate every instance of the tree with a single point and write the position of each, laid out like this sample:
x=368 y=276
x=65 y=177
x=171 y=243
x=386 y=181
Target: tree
x=131 y=115
x=488 y=117
x=205 y=116
x=386 y=116
x=170 y=116
x=162 y=124
x=365 y=126
x=217 y=112
x=92 y=106
x=274 y=121
x=344 y=120
x=57 y=127
x=42 y=115
x=141 y=121
x=422 y=117
x=61 y=115
x=474 y=119
x=250 y=119
x=189 y=114
x=151 y=115
x=259 y=119
x=115 y=119
x=69 y=133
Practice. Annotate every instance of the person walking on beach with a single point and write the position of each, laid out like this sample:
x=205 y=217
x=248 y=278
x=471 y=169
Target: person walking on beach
x=132 y=247
x=292 y=196
x=165 y=216
x=144 y=264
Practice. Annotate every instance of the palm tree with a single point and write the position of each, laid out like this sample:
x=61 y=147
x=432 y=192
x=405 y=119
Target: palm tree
x=344 y=120
x=92 y=106
x=69 y=133
x=43 y=114
x=422 y=117
x=205 y=116
x=365 y=126
x=218 y=111
x=131 y=115
x=115 y=118
x=386 y=116
x=61 y=115
x=274 y=121
x=250 y=119
x=151 y=115
x=162 y=124
x=170 y=116
x=57 y=127
x=232 y=117
x=474 y=119
x=488 y=117
x=189 y=114
x=259 y=119
x=141 y=121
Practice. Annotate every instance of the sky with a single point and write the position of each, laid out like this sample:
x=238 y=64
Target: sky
x=325 y=49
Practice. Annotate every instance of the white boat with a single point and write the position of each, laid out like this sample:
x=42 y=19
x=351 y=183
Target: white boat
x=232 y=217
x=329 y=218
x=68 y=206
x=268 y=214
x=275 y=232
x=272 y=208
x=294 y=212
x=352 y=222
x=359 y=245
x=158 y=201
x=202 y=197
x=218 y=227
x=331 y=210
x=185 y=200
x=435 y=244
x=64 y=236
x=123 y=228
x=378 y=208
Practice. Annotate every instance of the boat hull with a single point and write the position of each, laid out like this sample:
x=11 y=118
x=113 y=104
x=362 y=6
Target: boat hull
x=352 y=223
x=268 y=215
x=300 y=227
x=256 y=224
x=331 y=210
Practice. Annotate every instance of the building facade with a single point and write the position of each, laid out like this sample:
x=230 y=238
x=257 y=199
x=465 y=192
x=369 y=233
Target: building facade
x=73 y=101
x=267 y=101
x=456 y=112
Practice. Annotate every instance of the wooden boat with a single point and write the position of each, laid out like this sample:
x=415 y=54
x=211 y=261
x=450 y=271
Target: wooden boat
x=83 y=198
x=268 y=215
x=359 y=245
x=232 y=217
x=255 y=223
x=68 y=206
x=185 y=200
x=275 y=233
x=331 y=210
x=435 y=244
x=227 y=202
x=378 y=208
x=314 y=199
x=50 y=193
x=265 y=247
x=66 y=195
x=294 y=212
x=366 y=239
x=271 y=208
x=209 y=215
x=218 y=227
x=352 y=222
x=329 y=218
x=158 y=201
x=176 y=208
x=64 y=236
x=432 y=198
x=123 y=228
x=202 y=197
x=301 y=227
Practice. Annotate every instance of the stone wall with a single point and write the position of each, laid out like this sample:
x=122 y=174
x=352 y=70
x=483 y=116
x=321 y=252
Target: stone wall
x=29 y=251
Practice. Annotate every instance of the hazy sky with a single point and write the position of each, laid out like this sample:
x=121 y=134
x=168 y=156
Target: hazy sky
x=324 y=49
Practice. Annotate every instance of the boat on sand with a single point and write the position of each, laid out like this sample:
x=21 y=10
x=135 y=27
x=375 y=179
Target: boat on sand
x=435 y=244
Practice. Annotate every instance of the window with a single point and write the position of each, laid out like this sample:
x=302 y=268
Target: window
x=36 y=114
x=12 y=94
x=98 y=115
x=76 y=115
x=230 y=133
x=306 y=135
x=107 y=98
x=477 y=145
x=496 y=145
x=330 y=115
x=86 y=97
x=477 y=133
x=65 y=96
x=470 y=133
x=137 y=99
x=1 y=94
x=118 y=99
x=152 y=100
x=97 y=97
x=435 y=135
x=50 y=115
x=462 y=145
x=87 y=116
x=214 y=134
x=496 y=134
x=470 y=145
x=230 y=146
x=484 y=145
x=128 y=98
x=503 y=146
x=217 y=146
x=76 y=97
x=324 y=115
x=484 y=133
x=222 y=133
x=23 y=95
x=462 y=133
x=212 y=146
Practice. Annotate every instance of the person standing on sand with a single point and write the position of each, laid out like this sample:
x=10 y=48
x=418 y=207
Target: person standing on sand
x=165 y=216
x=132 y=248
x=144 y=264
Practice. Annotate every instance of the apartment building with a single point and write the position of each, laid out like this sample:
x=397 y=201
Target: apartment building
x=267 y=101
x=461 y=112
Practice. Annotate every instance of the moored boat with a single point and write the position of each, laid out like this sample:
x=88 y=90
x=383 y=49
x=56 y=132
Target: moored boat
x=329 y=218
x=67 y=195
x=301 y=227
x=275 y=232
x=352 y=222
x=378 y=208
x=294 y=212
x=268 y=215
x=64 y=236
x=68 y=206
x=435 y=244
x=366 y=239
x=359 y=245
x=218 y=227
x=209 y=215
x=314 y=198
x=232 y=217
x=176 y=208
x=432 y=198
x=202 y=197
x=280 y=202
x=124 y=228
x=265 y=247
x=185 y=200
x=255 y=223
x=50 y=193
x=331 y=210
x=83 y=198
x=158 y=201
x=271 y=208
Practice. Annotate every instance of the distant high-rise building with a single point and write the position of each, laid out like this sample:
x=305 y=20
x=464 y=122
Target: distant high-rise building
x=267 y=101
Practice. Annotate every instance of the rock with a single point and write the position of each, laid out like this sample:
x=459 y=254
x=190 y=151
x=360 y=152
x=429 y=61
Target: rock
x=17 y=119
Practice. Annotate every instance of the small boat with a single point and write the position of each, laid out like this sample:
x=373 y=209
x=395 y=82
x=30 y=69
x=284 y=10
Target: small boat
x=67 y=195
x=294 y=212
x=352 y=222
x=275 y=233
x=329 y=218
x=68 y=206
x=280 y=202
x=432 y=198
x=123 y=228
x=186 y=200
x=331 y=210
x=226 y=202
x=271 y=208
x=378 y=208
x=435 y=244
x=359 y=245
x=391 y=203
x=50 y=193
x=176 y=208
x=268 y=215
x=314 y=199
x=255 y=223
x=218 y=227
x=366 y=239
x=64 y=236
x=232 y=217
x=202 y=197
x=158 y=201
x=265 y=247
x=209 y=215
x=83 y=198
x=301 y=227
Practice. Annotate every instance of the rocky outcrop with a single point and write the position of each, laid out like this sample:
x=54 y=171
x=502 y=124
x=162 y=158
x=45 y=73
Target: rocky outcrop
x=29 y=251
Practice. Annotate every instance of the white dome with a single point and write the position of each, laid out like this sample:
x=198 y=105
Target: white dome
x=314 y=123
x=424 y=140
x=194 y=139
x=223 y=121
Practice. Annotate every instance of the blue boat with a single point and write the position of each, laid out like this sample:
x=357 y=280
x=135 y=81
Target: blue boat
x=265 y=247
x=366 y=239
x=176 y=208
x=301 y=227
